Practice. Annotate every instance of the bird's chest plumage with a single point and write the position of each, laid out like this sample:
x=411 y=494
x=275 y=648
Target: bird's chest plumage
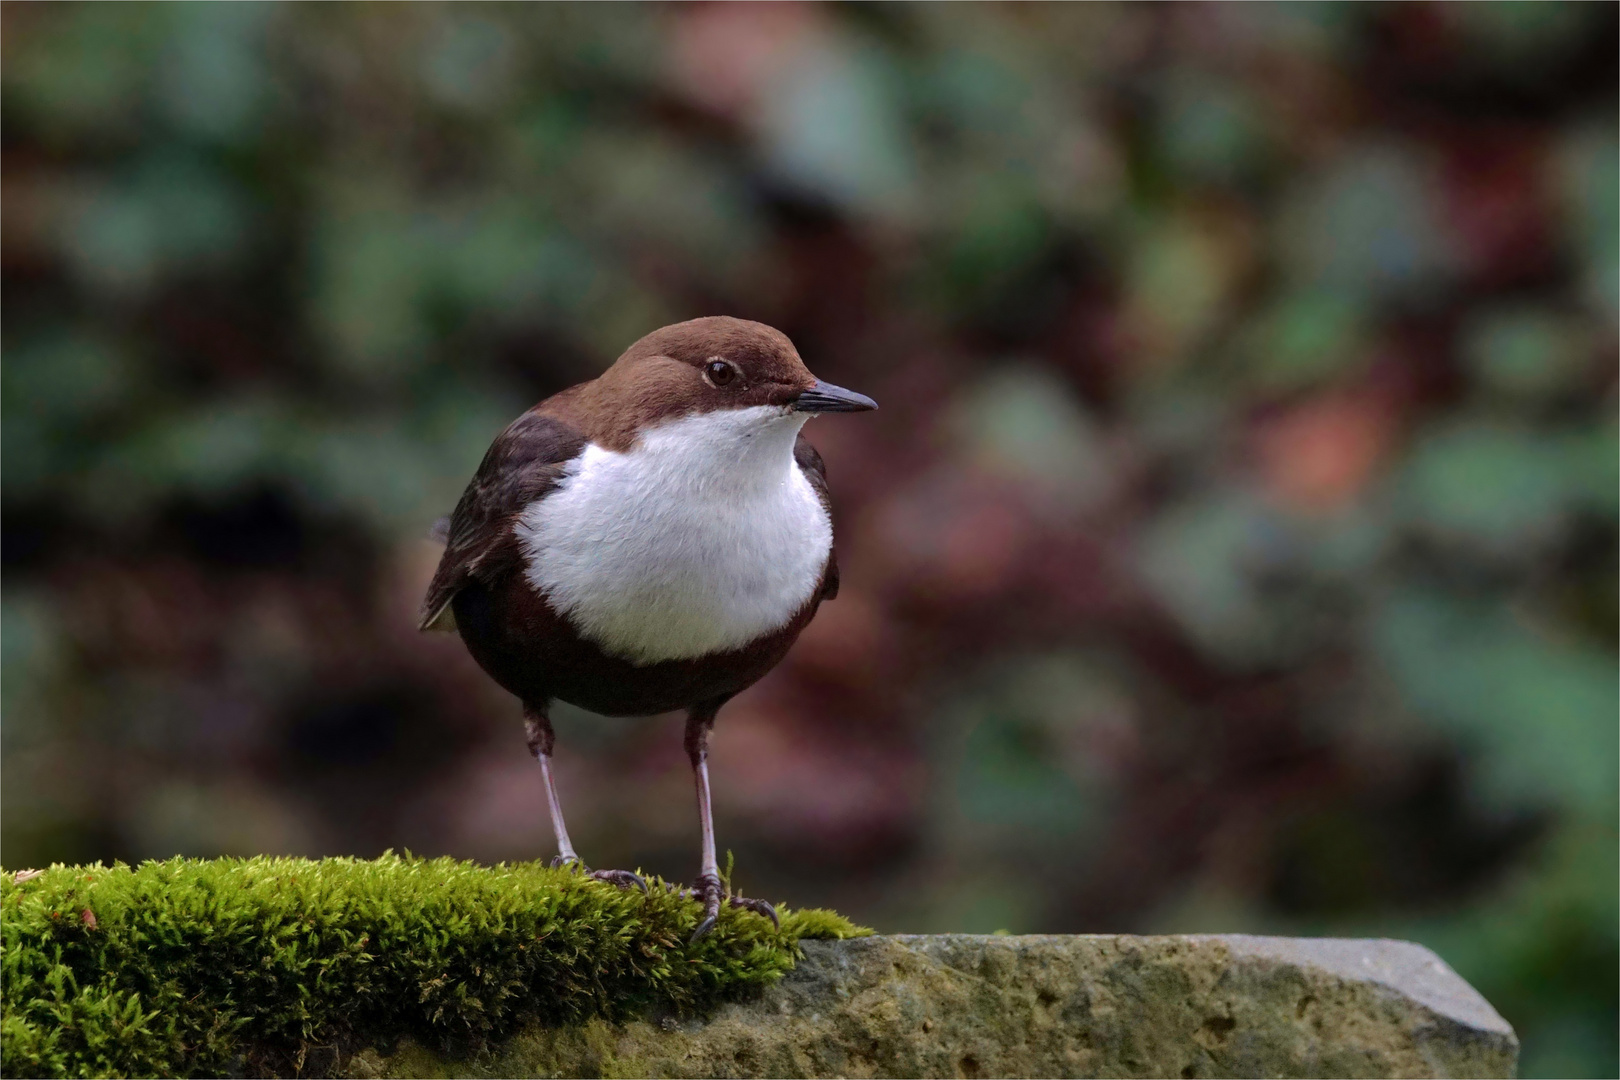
x=703 y=537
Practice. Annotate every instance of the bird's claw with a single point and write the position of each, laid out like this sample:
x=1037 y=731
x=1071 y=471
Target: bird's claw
x=758 y=907
x=708 y=890
x=711 y=892
x=624 y=879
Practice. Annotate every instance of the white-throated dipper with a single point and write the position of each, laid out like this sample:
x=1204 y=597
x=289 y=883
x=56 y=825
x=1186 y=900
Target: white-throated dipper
x=653 y=539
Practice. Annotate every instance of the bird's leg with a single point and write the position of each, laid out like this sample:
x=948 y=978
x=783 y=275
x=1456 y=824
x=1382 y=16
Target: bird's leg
x=708 y=887
x=537 y=724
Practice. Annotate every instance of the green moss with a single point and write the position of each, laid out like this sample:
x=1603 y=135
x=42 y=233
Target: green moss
x=201 y=967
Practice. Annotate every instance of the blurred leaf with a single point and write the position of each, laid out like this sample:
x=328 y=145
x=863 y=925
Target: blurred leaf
x=1209 y=130
x=1181 y=276
x=54 y=387
x=1199 y=557
x=1502 y=490
x=213 y=80
x=997 y=233
x=1592 y=464
x=207 y=450
x=1023 y=423
x=173 y=212
x=647 y=188
x=1369 y=226
x=1590 y=174
x=372 y=471
x=831 y=128
x=1304 y=338
x=470 y=61
x=65 y=378
x=1530 y=351
x=1025 y=772
x=29 y=452
x=976 y=91
x=1520 y=35
x=395 y=282
x=85 y=73
x=1009 y=781
x=1000 y=120
x=371 y=272
x=503 y=260
x=32 y=651
x=1540 y=712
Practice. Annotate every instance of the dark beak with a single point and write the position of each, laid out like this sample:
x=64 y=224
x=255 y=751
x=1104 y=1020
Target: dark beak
x=825 y=397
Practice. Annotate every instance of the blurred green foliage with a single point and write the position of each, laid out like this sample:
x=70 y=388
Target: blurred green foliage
x=1235 y=549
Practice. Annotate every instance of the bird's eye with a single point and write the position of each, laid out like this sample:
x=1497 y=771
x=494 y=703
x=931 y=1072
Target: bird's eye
x=720 y=373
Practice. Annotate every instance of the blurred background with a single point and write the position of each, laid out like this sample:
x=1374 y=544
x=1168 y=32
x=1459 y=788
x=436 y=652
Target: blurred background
x=1235 y=549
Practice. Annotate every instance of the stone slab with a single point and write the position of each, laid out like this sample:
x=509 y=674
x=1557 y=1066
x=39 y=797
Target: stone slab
x=1092 y=1005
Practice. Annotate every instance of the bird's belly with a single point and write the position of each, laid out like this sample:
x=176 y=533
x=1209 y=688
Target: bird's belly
x=651 y=575
x=532 y=651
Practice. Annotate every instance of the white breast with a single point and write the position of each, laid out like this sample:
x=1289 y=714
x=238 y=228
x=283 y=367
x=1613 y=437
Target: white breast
x=701 y=538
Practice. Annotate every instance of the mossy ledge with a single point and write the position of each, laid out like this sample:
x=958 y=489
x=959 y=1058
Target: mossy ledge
x=278 y=966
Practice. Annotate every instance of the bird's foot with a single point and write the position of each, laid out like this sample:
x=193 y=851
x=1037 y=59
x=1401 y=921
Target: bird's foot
x=711 y=893
x=624 y=879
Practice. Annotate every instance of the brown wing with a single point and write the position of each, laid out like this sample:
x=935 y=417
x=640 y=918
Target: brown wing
x=524 y=463
x=815 y=470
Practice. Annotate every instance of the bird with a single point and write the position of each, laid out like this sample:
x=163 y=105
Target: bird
x=648 y=541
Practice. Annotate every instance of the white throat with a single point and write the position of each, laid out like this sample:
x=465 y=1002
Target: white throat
x=702 y=537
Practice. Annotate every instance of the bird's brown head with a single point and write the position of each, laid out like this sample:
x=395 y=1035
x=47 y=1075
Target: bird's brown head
x=708 y=365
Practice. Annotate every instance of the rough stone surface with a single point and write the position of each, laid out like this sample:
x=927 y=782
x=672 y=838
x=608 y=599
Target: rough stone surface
x=967 y=1006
